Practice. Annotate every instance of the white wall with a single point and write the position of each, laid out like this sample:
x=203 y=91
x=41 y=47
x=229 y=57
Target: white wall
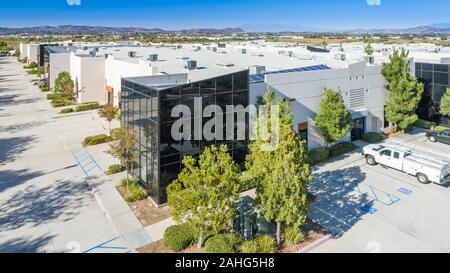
x=116 y=69
x=59 y=62
x=23 y=47
x=307 y=89
x=32 y=53
x=89 y=73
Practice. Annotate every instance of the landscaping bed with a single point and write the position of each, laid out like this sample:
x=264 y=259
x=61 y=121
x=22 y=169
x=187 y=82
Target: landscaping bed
x=147 y=213
x=311 y=230
x=159 y=247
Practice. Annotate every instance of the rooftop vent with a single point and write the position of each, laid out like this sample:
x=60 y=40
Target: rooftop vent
x=132 y=54
x=191 y=65
x=224 y=64
x=153 y=57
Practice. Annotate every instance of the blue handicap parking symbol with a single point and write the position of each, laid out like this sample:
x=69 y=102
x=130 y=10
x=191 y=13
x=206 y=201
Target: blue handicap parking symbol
x=405 y=191
x=369 y=209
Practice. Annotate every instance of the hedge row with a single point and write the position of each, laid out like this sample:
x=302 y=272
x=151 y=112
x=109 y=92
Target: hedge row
x=95 y=140
x=322 y=154
x=87 y=106
x=372 y=137
x=420 y=123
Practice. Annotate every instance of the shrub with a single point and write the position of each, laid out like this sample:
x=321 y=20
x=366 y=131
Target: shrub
x=133 y=192
x=260 y=244
x=342 y=148
x=178 y=237
x=113 y=133
x=87 y=106
x=425 y=124
x=53 y=96
x=95 y=140
x=66 y=110
x=58 y=102
x=222 y=243
x=294 y=235
x=372 y=137
x=318 y=155
x=440 y=128
x=116 y=168
x=45 y=89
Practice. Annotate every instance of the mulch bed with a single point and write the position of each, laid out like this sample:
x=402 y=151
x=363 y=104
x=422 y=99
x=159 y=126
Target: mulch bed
x=147 y=213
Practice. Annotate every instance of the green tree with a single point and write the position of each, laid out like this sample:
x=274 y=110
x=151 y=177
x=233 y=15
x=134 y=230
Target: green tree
x=205 y=193
x=404 y=97
x=333 y=120
x=65 y=86
x=281 y=174
x=396 y=67
x=108 y=112
x=405 y=92
x=444 y=108
x=369 y=49
x=124 y=147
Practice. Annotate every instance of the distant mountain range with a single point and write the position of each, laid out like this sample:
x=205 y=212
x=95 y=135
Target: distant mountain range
x=443 y=28
x=72 y=29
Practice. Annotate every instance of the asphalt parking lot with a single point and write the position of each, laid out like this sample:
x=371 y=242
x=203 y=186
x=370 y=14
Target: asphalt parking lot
x=374 y=209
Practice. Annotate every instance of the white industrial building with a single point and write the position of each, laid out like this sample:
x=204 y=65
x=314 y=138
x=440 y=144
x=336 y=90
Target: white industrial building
x=294 y=72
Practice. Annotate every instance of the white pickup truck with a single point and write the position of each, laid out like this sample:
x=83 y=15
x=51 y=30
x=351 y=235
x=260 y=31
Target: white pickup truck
x=426 y=169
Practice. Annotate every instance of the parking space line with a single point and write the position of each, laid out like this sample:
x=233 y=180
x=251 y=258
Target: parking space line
x=105 y=246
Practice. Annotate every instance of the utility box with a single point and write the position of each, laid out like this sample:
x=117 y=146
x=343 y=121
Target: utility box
x=153 y=57
x=247 y=221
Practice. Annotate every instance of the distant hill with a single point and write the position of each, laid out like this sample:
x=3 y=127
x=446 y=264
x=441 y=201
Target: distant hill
x=71 y=29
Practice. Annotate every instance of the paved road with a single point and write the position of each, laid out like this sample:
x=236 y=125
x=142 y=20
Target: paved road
x=45 y=203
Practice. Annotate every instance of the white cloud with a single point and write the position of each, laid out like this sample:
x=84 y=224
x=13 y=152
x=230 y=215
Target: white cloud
x=374 y=2
x=77 y=2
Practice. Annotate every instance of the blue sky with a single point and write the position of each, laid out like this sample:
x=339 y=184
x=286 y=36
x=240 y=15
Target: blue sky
x=178 y=14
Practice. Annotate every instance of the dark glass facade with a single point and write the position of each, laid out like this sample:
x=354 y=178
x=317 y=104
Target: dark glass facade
x=148 y=111
x=436 y=79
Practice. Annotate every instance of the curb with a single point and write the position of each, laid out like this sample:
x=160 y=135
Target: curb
x=316 y=244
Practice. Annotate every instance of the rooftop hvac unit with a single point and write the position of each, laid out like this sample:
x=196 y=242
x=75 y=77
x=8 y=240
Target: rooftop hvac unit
x=84 y=47
x=340 y=57
x=257 y=69
x=191 y=65
x=131 y=54
x=214 y=49
x=369 y=59
x=243 y=51
x=153 y=57
x=221 y=45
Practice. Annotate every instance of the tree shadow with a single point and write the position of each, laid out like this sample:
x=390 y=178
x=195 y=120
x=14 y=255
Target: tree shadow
x=40 y=205
x=9 y=179
x=338 y=206
x=10 y=148
x=26 y=244
x=21 y=127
